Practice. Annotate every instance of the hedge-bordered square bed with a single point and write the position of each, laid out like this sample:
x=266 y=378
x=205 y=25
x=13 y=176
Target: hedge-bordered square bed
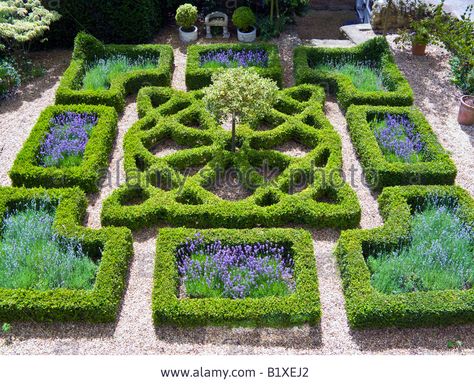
x=436 y=167
x=28 y=172
x=112 y=246
x=300 y=307
x=368 y=307
x=272 y=187
x=375 y=51
x=87 y=49
x=198 y=77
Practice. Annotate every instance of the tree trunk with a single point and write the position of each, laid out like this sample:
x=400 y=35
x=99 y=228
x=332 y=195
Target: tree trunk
x=233 y=133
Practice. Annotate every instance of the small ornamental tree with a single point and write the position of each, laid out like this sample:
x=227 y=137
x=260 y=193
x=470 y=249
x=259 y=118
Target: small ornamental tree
x=23 y=21
x=241 y=95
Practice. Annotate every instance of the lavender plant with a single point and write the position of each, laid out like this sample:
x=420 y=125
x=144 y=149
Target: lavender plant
x=66 y=141
x=231 y=58
x=438 y=255
x=34 y=256
x=239 y=271
x=100 y=73
x=398 y=139
x=365 y=75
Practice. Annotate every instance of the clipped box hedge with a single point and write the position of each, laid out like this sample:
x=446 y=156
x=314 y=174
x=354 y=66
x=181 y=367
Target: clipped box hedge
x=437 y=169
x=158 y=191
x=376 y=51
x=112 y=245
x=87 y=49
x=198 y=77
x=27 y=172
x=367 y=307
x=300 y=307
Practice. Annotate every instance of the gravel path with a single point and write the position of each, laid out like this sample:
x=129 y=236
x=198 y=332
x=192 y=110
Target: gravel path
x=134 y=332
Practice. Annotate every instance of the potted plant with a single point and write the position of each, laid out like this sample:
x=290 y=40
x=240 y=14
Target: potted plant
x=418 y=35
x=466 y=110
x=244 y=19
x=186 y=16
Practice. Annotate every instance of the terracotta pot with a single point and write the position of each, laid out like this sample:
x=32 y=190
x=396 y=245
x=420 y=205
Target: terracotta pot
x=418 y=49
x=466 y=111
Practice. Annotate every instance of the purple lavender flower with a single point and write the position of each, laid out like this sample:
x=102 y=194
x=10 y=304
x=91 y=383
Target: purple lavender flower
x=237 y=271
x=398 y=139
x=67 y=138
x=234 y=58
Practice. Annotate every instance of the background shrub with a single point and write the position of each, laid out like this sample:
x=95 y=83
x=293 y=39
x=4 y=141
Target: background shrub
x=9 y=77
x=113 y=21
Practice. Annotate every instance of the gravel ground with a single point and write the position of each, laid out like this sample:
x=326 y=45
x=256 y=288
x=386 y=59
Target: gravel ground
x=134 y=332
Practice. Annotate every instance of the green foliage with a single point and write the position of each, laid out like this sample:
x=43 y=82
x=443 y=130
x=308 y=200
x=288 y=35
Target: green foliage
x=269 y=29
x=186 y=16
x=375 y=51
x=27 y=171
x=437 y=256
x=435 y=168
x=9 y=77
x=160 y=190
x=6 y=328
x=113 y=21
x=300 y=307
x=100 y=74
x=33 y=256
x=198 y=77
x=367 y=307
x=244 y=19
x=87 y=50
x=23 y=21
x=110 y=247
x=420 y=32
x=457 y=36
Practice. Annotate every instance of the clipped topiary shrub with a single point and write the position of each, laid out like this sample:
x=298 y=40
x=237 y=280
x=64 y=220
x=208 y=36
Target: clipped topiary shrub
x=111 y=247
x=30 y=170
x=198 y=75
x=88 y=49
x=320 y=65
x=186 y=16
x=180 y=168
x=299 y=307
x=432 y=164
x=369 y=307
x=244 y=19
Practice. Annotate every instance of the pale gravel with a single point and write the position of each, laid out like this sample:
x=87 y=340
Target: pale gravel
x=134 y=332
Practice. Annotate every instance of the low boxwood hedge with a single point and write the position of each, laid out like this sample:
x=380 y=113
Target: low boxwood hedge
x=436 y=168
x=198 y=77
x=87 y=49
x=27 y=172
x=300 y=307
x=161 y=189
x=375 y=51
x=112 y=246
x=367 y=307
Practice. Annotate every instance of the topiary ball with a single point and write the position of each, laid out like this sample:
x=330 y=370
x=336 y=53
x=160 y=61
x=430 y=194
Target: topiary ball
x=244 y=19
x=186 y=16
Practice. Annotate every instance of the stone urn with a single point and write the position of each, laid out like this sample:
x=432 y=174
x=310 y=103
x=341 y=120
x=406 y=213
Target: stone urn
x=188 y=36
x=247 y=37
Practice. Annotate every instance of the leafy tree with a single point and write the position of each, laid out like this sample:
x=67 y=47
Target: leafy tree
x=23 y=21
x=241 y=95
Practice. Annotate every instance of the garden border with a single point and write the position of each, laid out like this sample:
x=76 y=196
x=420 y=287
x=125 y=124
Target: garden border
x=100 y=304
x=185 y=202
x=26 y=171
x=375 y=49
x=365 y=306
x=87 y=48
x=300 y=307
x=198 y=77
x=379 y=172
